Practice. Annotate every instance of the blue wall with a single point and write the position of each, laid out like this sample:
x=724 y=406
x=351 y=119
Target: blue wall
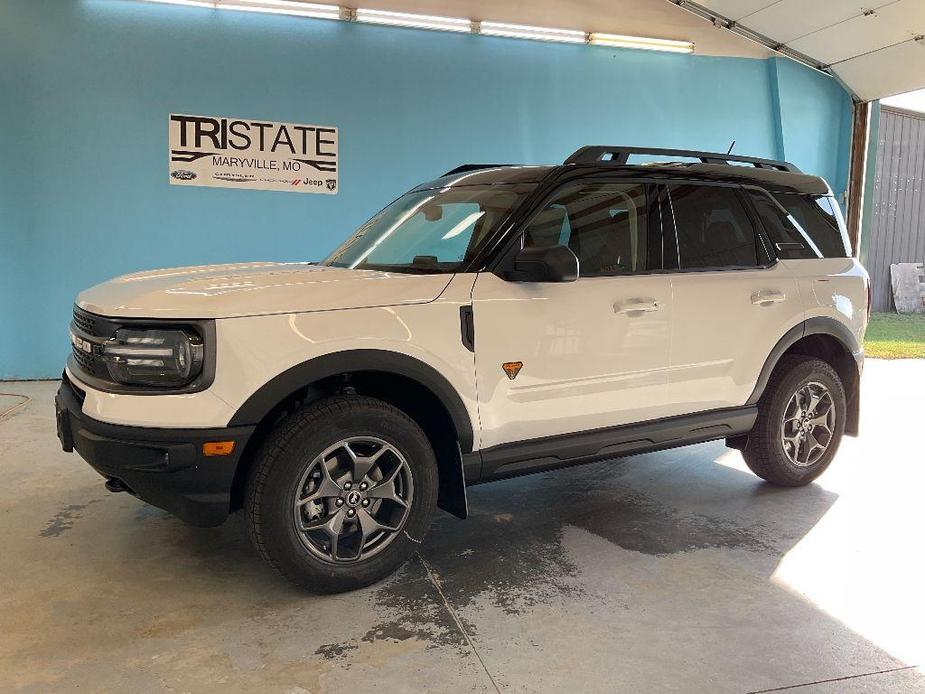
x=813 y=117
x=87 y=86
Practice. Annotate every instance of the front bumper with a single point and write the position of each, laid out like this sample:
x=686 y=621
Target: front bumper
x=164 y=467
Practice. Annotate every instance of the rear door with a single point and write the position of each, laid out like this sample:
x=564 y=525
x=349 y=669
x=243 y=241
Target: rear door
x=732 y=300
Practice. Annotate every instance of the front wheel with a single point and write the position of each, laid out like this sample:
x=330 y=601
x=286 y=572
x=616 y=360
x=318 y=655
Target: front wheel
x=342 y=493
x=801 y=419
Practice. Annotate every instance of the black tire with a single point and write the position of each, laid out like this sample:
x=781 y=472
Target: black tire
x=284 y=458
x=764 y=453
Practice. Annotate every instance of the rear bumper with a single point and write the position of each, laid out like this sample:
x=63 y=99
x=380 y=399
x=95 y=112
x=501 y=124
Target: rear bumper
x=164 y=467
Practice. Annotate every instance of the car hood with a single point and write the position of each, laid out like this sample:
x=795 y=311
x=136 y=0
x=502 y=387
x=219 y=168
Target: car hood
x=249 y=289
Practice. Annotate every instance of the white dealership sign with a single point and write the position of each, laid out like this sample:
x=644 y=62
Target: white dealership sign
x=257 y=154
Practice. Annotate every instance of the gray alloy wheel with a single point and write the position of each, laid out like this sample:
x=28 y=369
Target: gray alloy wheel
x=808 y=424
x=800 y=422
x=341 y=492
x=353 y=499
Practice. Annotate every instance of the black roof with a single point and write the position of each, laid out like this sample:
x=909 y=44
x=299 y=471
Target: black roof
x=772 y=175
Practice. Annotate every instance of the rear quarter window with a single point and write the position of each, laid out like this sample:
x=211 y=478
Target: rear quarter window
x=785 y=234
x=816 y=217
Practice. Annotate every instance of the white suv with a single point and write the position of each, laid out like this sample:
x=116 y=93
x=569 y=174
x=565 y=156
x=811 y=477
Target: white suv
x=497 y=321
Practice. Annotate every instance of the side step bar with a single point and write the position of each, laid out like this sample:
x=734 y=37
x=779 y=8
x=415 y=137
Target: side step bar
x=536 y=455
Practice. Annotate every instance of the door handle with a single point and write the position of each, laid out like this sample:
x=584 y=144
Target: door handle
x=766 y=298
x=636 y=306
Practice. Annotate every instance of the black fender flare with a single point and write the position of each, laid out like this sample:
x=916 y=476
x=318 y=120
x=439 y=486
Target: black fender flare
x=280 y=387
x=818 y=325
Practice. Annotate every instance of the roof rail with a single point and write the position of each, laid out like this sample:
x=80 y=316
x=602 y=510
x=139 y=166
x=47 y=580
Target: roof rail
x=463 y=168
x=596 y=154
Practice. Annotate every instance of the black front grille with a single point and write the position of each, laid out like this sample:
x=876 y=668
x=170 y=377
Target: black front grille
x=84 y=321
x=85 y=360
x=88 y=325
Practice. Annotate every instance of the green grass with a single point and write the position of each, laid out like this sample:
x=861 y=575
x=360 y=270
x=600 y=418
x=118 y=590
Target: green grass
x=892 y=336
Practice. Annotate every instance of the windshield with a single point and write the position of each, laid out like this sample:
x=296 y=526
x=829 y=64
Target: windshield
x=428 y=231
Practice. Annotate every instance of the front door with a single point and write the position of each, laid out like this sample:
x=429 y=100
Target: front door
x=559 y=358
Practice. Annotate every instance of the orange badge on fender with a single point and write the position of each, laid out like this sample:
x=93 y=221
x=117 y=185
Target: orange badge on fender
x=512 y=368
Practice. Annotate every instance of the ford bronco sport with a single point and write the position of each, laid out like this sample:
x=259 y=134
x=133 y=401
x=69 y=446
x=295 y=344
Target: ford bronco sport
x=496 y=321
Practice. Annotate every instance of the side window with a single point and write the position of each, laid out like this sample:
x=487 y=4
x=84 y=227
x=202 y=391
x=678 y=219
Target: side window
x=549 y=228
x=604 y=224
x=818 y=217
x=787 y=235
x=713 y=228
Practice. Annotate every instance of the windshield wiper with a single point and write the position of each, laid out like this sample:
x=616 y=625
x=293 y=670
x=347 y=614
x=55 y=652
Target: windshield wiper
x=409 y=268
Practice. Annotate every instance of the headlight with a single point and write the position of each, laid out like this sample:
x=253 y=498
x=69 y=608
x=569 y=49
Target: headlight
x=153 y=357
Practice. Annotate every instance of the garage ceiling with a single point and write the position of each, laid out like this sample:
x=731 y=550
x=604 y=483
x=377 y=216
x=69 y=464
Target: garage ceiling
x=876 y=47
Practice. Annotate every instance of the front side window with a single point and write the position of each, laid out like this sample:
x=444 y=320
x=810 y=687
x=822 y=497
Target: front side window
x=714 y=231
x=604 y=224
x=428 y=231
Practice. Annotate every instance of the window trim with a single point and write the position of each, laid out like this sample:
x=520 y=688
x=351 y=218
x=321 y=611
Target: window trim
x=769 y=254
x=760 y=244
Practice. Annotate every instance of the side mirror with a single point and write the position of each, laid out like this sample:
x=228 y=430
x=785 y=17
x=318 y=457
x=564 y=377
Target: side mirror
x=547 y=264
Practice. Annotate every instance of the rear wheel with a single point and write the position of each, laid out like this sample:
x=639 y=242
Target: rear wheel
x=342 y=493
x=801 y=419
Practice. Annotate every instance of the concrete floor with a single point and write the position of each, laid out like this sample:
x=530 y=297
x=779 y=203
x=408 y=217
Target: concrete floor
x=676 y=571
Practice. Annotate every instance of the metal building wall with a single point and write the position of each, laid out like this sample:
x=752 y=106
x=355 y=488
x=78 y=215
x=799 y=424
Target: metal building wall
x=897 y=234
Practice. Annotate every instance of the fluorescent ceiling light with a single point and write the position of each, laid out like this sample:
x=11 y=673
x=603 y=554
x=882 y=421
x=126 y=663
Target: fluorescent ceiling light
x=456 y=24
x=190 y=3
x=642 y=43
x=522 y=31
x=291 y=7
x=417 y=21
